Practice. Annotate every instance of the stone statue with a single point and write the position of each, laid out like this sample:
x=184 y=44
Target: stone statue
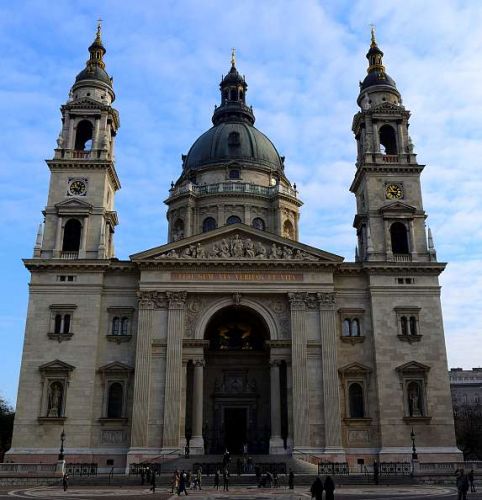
x=365 y=103
x=60 y=140
x=237 y=247
x=287 y=253
x=224 y=249
x=215 y=251
x=55 y=400
x=260 y=251
x=275 y=252
x=200 y=251
x=249 y=246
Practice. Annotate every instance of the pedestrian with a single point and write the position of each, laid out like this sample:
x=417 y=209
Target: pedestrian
x=257 y=472
x=199 y=477
x=186 y=451
x=143 y=475
x=226 y=479
x=291 y=480
x=275 y=479
x=317 y=489
x=470 y=477
x=375 y=472
x=216 y=479
x=329 y=488
x=239 y=466
x=65 y=481
x=148 y=475
x=249 y=463
x=153 y=482
x=175 y=481
x=462 y=484
x=182 y=483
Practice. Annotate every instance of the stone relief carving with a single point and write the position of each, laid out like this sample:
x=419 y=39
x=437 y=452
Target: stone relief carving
x=176 y=299
x=238 y=248
x=152 y=300
x=310 y=300
x=278 y=306
x=194 y=306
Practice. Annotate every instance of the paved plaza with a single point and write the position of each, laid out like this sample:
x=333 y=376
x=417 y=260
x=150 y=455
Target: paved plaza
x=238 y=493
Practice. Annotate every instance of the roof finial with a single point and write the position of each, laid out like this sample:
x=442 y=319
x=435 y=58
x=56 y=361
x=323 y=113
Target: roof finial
x=99 y=28
x=374 y=42
x=233 y=57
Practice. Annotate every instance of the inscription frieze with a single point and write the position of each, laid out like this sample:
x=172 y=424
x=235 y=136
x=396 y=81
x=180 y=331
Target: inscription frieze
x=235 y=276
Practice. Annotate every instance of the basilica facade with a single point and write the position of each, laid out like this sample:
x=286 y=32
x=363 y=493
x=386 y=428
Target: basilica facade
x=234 y=334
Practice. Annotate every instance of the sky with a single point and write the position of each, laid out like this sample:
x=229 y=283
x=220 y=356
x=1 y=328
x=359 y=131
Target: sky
x=302 y=60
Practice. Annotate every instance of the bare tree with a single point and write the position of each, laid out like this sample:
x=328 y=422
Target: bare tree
x=468 y=430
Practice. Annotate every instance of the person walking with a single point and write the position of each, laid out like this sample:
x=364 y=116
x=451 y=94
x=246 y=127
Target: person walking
x=153 y=481
x=226 y=479
x=329 y=488
x=182 y=483
x=462 y=484
x=291 y=480
x=317 y=489
x=65 y=481
x=199 y=477
x=275 y=479
x=216 y=479
x=143 y=476
x=470 y=477
x=376 y=471
x=175 y=481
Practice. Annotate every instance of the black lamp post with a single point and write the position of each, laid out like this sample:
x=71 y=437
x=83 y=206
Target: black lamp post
x=62 y=439
x=414 y=449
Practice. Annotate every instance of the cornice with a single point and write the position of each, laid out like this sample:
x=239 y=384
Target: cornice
x=390 y=268
x=386 y=168
x=96 y=265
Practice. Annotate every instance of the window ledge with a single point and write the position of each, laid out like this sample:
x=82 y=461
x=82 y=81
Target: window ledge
x=353 y=340
x=417 y=420
x=357 y=422
x=59 y=337
x=107 y=420
x=410 y=338
x=118 y=338
x=51 y=420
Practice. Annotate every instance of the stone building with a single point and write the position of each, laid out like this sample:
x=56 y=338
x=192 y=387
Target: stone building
x=466 y=386
x=234 y=333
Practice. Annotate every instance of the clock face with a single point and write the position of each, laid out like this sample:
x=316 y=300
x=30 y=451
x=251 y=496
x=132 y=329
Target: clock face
x=77 y=188
x=394 y=191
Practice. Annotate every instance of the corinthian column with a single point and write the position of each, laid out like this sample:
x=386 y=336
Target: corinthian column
x=275 y=442
x=197 y=441
x=172 y=394
x=140 y=408
x=330 y=392
x=301 y=436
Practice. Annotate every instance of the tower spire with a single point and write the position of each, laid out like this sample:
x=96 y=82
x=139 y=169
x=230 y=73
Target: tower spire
x=373 y=42
x=233 y=58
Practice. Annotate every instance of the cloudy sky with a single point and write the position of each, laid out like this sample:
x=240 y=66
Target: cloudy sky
x=303 y=61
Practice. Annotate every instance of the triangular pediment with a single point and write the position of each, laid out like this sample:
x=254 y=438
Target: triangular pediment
x=237 y=242
x=86 y=102
x=386 y=107
x=354 y=368
x=398 y=206
x=412 y=367
x=56 y=366
x=73 y=204
x=115 y=367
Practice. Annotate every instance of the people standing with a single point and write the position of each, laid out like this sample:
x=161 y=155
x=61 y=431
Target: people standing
x=291 y=480
x=175 y=481
x=462 y=484
x=275 y=479
x=143 y=476
x=199 y=477
x=376 y=471
x=329 y=488
x=182 y=483
x=65 y=481
x=153 y=481
x=226 y=479
x=216 y=479
x=317 y=489
x=470 y=477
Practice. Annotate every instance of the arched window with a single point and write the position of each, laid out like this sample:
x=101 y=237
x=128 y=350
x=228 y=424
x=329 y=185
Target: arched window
x=288 y=230
x=115 y=325
x=355 y=328
x=388 y=142
x=114 y=404
x=178 y=230
x=55 y=400
x=72 y=231
x=233 y=219
x=355 y=396
x=399 y=237
x=209 y=224
x=346 y=328
x=415 y=404
x=83 y=137
x=413 y=325
x=258 y=223
x=404 y=325
x=125 y=326
x=234 y=95
x=58 y=323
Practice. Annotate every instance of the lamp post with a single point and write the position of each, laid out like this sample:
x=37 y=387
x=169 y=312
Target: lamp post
x=62 y=439
x=414 y=449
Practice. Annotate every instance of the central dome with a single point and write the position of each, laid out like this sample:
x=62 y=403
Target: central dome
x=230 y=141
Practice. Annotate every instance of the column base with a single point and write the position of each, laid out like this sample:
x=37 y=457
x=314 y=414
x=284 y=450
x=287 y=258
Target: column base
x=276 y=446
x=60 y=469
x=196 y=445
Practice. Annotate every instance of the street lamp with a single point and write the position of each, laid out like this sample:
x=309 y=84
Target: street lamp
x=414 y=449
x=62 y=439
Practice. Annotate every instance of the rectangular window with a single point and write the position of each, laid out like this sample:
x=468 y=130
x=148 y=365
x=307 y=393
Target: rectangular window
x=61 y=321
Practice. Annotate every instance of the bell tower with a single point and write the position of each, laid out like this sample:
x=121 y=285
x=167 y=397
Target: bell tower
x=390 y=220
x=79 y=217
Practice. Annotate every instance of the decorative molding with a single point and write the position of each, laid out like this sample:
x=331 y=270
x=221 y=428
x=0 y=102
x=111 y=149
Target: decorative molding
x=417 y=420
x=177 y=299
x=410 y=338
x=118 y=339
x=59 y=337
x=51 y=420
x=152 y=300
x=353 y=340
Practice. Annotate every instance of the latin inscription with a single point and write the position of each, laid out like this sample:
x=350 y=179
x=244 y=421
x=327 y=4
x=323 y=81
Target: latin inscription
x=179 y=276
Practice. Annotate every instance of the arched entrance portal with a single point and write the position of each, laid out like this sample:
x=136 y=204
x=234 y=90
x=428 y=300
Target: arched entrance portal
x=237 y=383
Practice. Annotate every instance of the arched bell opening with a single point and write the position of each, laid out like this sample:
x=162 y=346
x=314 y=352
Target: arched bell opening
x=236 y=409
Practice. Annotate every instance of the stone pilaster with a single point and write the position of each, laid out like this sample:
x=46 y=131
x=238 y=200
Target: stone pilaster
x=275 y=442
x=197 y=441
x=172 y=394
x=140 y=408
x=301 y=435
x=330 y=389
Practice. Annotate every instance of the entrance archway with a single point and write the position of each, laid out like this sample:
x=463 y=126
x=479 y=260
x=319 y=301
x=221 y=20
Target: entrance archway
x=237 y=382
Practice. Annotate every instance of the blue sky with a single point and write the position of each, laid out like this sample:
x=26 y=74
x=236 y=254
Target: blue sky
x=302 y=62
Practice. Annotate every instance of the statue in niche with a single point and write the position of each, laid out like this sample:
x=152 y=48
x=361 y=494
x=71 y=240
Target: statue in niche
x=55 y=400
x=414 y=401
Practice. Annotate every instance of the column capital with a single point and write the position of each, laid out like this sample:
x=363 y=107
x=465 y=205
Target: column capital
x=199 y=363
x=326 y=299
x=177 y=299
x=152 y=299
x=275 y=363
x=297 y=301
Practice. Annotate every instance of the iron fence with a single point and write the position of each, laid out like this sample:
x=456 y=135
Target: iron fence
x=84 y=469
x=333 y=469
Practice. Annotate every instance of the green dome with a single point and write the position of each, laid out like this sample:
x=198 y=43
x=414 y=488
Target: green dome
x=229 y=141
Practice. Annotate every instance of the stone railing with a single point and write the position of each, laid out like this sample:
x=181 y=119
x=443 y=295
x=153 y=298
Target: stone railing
x=448 y=467
x=69 y=255
x=233 y=187
x=402 y=257
x=8 y=468
x=390 y=158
